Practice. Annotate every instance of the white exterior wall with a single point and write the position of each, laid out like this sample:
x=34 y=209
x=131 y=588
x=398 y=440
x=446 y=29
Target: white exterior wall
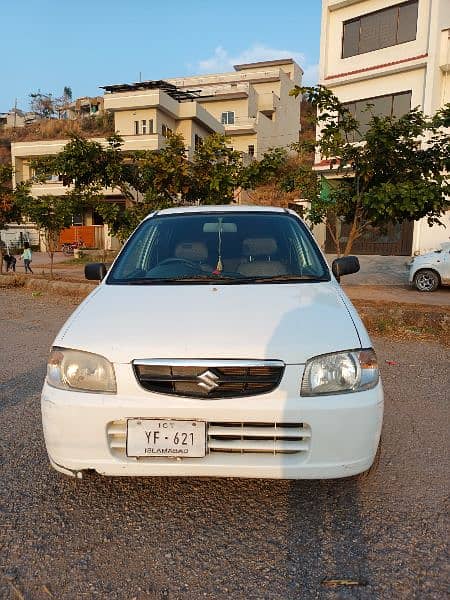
x=250 y=90
x=421 y=65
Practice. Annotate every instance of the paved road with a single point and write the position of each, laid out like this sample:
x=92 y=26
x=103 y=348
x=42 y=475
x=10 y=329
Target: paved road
x=242 y=539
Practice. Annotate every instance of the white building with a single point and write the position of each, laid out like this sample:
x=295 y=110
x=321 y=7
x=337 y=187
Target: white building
x=252 y=103
x=395 y=55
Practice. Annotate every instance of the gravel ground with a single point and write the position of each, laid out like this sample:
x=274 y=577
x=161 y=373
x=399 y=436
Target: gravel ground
x=190 y=538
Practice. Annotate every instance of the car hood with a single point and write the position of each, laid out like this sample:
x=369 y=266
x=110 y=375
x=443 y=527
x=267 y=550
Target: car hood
x=289 y=322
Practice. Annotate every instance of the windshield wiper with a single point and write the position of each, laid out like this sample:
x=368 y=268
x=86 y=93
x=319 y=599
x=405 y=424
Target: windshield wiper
x=210 y=278
x=187 y=279
x=281 y=278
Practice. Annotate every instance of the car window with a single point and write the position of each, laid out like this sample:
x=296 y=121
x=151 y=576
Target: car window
x=231 y=247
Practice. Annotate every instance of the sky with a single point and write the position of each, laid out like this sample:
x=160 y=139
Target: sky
x=48 y=44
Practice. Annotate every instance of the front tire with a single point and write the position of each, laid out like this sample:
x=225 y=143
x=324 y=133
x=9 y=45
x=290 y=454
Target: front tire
x=426 y=280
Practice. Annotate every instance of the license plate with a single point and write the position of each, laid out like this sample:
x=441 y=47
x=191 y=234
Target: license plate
x=165 y=437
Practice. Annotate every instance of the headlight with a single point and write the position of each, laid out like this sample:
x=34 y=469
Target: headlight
x=83 y=371
x=340 y=372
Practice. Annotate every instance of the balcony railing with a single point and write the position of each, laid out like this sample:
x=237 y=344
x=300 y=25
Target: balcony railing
x=247 y=123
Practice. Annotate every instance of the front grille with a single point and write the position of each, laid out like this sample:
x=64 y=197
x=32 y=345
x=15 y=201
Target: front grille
x=237 y=438
x=209 y=379
x=273 y=438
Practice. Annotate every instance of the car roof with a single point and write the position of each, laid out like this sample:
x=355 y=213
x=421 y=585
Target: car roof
x=232 y=208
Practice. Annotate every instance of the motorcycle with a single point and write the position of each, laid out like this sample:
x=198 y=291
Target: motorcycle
x=68 y=247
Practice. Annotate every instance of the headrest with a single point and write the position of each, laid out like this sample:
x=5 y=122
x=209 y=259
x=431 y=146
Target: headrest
x=191 y=251
x=259 y=247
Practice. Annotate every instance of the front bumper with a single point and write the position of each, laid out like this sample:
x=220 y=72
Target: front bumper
x=344 y=432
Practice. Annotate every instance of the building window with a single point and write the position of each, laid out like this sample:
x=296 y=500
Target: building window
x=380 y=29
x=198 y=141
x=136 y=128
x=251 y=150
x=144 y=126
x=227 y=118
x=390 y=105
x=165 y=131
x=77 y=220
x=150 y=126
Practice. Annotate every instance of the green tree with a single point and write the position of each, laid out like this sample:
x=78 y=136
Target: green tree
x=214 y=172
x=158 y=178
x=51 y=214
x=9 y=211
x=398 y=172
x=42 y=104
x=152 y=180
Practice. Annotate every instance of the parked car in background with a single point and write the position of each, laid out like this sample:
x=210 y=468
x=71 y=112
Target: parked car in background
x=429 y=271
x=218 y=344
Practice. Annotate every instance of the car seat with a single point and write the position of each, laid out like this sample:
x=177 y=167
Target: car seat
x=259 y=260
x=195 y=252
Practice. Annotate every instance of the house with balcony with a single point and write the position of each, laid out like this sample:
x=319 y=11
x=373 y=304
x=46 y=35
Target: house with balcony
x=394 y=55
x=144 y=115
x=252 y=103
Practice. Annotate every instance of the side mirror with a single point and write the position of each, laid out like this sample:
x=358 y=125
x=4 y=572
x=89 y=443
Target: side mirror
x=345 y=266
x=95 y=271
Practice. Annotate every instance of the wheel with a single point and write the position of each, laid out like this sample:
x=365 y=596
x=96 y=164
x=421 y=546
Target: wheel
x=426 y=280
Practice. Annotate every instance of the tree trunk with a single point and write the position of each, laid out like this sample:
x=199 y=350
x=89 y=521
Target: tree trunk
x=333 y=233
x=51 y=264
x=355 y=232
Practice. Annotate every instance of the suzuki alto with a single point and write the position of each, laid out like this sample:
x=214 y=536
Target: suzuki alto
x=219 y=343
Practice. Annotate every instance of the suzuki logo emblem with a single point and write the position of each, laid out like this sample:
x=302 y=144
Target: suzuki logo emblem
x=208 y=381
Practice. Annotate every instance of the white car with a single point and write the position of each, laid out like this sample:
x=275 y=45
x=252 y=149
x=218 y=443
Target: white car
x=428 y=271
x=218 y=344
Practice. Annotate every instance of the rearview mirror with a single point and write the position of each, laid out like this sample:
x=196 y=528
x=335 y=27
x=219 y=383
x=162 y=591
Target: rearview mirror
x=345 y=266
x=95 y=271
x=224 y=227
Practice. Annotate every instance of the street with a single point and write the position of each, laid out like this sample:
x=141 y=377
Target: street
x=382 y=537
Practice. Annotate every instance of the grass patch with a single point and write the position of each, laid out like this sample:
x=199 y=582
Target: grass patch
x=85 y=258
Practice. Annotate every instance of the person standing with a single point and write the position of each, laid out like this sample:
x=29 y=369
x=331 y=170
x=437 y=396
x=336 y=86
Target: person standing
x=26 y=255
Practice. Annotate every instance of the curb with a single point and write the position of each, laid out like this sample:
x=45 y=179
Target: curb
x=62 y=288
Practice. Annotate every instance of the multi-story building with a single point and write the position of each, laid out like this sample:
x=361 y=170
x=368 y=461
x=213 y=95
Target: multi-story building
x=252 y=103
x=394 y=55
x=144 y=115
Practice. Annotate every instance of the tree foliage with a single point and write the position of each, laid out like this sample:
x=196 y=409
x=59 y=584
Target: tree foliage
x=8 y=207
x=152 y=180
x=47 y=105
x=51 y=214
x=399 y=171
x=42 y=104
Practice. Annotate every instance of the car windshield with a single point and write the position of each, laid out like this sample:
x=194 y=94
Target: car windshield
x=239 y=247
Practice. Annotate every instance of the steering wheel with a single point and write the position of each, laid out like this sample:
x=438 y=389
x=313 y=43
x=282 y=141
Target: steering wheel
x=170 y=261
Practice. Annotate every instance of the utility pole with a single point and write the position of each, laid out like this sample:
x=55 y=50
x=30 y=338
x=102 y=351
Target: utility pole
x=15 y=113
